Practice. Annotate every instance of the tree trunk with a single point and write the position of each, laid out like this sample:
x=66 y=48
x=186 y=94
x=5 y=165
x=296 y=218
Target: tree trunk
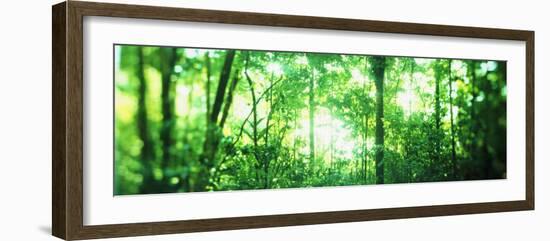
x=168 y=60
x=379 y=66
x=365 y=132
x=222 y=85
x=212 y=138
x=255 y=136
x=229 y=98
x=268 y=119
x=489 y=122
x=409 y=163
x=146 y=153
x=312 y=116
x=437 y=111
x=208 y=74
x=437 y=117
x=453 y=143
x=254 y=105
x=268 y=155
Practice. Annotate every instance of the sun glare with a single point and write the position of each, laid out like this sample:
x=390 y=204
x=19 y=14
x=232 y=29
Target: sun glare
x=407 y=98
x=357 y=77
x=275 y=68
x=328 y=129
x=181 y=102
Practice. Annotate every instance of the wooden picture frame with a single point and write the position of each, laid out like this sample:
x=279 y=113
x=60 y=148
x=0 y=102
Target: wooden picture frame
x=67 y=124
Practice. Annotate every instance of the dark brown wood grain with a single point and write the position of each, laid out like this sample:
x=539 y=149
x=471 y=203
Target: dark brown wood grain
x=120 y=230
x=58 y=121
x=530 y=120
x=74 y=120
x=67 y=119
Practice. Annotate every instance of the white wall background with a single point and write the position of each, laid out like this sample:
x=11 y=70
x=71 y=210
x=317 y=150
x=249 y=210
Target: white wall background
x=25 y=119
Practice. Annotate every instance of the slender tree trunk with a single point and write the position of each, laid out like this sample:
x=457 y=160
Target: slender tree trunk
x=255 y=137
x=268 y=155
x=222 y=85
x=168 y=60
x=438 y=110
x=268 y=119
x=254 y=107
x=225 y=114
x=207 y=87
x=146 y=153
x=212 y=137
x=411 y=76
x=229 y=98
x=437 y=116
x=312 y=115
x=490 y=121
x=453 y=143
x=379 y=66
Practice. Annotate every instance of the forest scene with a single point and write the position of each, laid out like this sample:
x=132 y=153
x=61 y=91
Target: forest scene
x=197 y=120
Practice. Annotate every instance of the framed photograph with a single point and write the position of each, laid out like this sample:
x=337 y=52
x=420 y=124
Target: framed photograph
x=170 y=120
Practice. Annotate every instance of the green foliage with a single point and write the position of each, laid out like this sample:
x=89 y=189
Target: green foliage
x=189 y=120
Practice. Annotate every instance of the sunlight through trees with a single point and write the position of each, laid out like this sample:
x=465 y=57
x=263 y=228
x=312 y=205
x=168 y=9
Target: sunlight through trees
x=190 y=120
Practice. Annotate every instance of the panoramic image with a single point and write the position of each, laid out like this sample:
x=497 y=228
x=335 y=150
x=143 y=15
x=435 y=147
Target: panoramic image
x=198 y=120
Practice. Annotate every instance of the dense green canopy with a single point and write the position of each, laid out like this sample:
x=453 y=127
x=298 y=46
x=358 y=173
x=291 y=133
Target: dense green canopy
x=190 y=120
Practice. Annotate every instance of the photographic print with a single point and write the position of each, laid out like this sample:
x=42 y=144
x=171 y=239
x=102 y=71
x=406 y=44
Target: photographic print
x=193 y=119
x=159 y=126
